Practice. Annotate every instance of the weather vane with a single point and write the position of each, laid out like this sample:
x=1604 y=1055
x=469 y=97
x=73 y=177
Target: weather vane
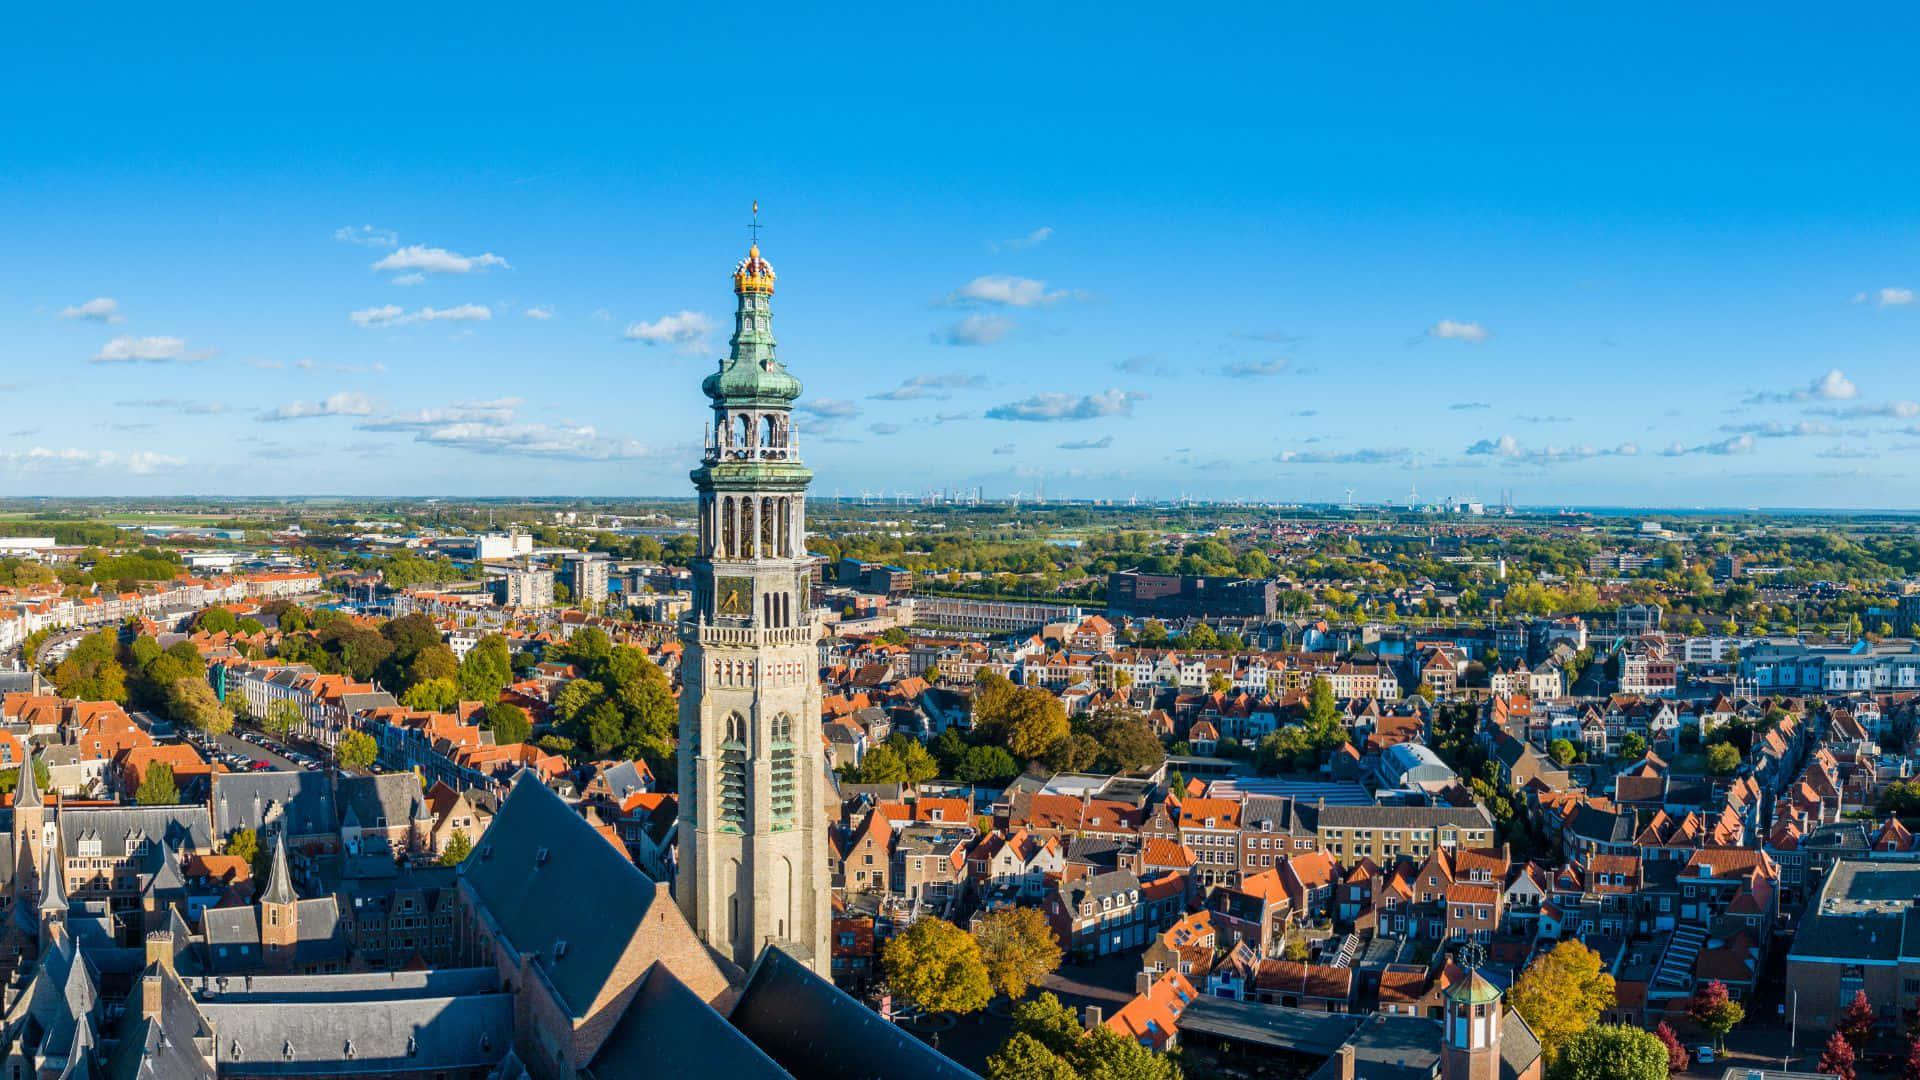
x=756 y=221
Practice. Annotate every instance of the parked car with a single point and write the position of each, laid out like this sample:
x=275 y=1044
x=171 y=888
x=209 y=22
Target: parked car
x=1703 y=1054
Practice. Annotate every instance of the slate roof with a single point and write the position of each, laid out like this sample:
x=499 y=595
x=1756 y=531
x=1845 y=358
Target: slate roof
x=302 y=801
x=182 y=828
x=538 y=849
x=667 y=1030
x=815 y=1031
x=385 y=801
x=351 y=1037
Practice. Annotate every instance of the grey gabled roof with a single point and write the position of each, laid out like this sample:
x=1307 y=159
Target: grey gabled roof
x=815 y=1031
x=545 y=876
x=623 y=780
x=667 y=1030
x=182 y=828
x=301 y=802
x=384 y=801
x=352 y=1037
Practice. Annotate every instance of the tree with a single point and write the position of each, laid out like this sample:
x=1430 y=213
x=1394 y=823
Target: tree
x=458 y=848
x=1562 y=752
x=1838 y=1059
x=936 y=966
x=244 y=844
x=1077 y=752
x=1632 y=747
x=436 y=661
x=917 y=764
x=1722 y=759
x=432 y=695
x=486 y=670
x=282 y=716
x=355 y=751
x=1900 y=798
x=216 y=620
x=1611 y=1052
x=507 y=721
x=1026 y=719
x=193 y=703
x=1048 y=1043
x=986 y=765
x=10 y=778
x=1676 y=1053
x=1856 y=1020
x=1910 y=1070
x=92 y=671
x=880 y=765
x=1018 y=948
x=1126 y=742
x=1714 y=1011
x=1562 y=993
x=158 y=789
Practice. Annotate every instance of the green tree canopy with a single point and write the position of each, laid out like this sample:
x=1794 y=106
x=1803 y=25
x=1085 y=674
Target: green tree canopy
x=158 y=789
x=192 y=702
x=508 y=722
x=1049 y=1043
x=432 y=695
x=458 y=848
x=355 y=751
x=1611 y=1052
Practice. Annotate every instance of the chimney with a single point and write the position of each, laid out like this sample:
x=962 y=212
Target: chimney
x=1093 y=1017
x=1346 y=1061
x=150 y=996
x=160 y=949
x=1142 y=981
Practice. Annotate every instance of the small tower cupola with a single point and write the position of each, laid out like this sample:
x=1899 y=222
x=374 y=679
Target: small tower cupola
x=1470 y=1046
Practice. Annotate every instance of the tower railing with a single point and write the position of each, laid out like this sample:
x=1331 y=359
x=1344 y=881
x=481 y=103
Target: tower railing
x=754 y=636
x=717 y=454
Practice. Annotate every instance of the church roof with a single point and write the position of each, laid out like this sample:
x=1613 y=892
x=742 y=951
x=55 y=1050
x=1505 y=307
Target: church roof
x=816 y=1031
x=667 y=1030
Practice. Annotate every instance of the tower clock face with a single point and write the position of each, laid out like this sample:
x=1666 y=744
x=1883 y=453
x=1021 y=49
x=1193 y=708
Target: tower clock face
x=733 y=596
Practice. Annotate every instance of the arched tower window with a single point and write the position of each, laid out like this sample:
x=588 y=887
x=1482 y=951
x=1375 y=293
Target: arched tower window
x=726 y=528
x=733 y=772
x=767 y=514
x=767 y=431
x=781 y=772
x=743 y=430
x=746 y=528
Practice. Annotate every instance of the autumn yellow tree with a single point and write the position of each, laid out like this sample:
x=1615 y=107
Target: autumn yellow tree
x=936 y=966
x=1561 y=994
x=1018 y=948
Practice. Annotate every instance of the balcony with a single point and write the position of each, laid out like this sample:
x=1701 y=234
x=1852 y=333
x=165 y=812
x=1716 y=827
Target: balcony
x=716 y=454
x=753 y=637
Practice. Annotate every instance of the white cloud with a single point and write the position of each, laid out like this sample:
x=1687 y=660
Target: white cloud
x=433 y=260
x=1898 y=410
x=1009 y=291
x=541 y=313
x=43 y=459
x=1513 y=450
x=181 y=405
x=1254 y=369
x=152 y=350
x=415 y=278
x=1738 y=444
x=377 y=316
x=1382 y=455
x=395 y=315
x=1100 y=443
x=978 y=330
x=930 y=386
x=344 y=403
x=685 y=328
x=1891 y=296
x=1033 y=239
x=366 y=235
x=569 y=442
x=1055 y=406
x=490 y=411
x=884 y=428
x=826 y=408
x=1448 y=329
x=103 y=309
x=1833 y=386
x=309 y=364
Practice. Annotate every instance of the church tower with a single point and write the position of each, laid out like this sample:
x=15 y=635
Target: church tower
x=752 y=839
x=1470 y=1048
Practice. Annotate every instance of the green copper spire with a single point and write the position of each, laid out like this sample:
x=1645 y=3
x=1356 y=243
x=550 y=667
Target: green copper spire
x=751 y=374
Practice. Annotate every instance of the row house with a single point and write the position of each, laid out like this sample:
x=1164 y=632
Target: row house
x=1015 y=866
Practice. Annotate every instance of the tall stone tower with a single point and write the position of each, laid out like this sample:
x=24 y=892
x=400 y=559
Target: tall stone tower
x=752 y=840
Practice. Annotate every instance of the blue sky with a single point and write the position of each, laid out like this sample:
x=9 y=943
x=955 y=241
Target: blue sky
x=1655 y=259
